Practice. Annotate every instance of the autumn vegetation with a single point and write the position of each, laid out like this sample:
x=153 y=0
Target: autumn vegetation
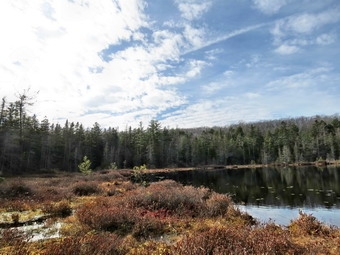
x=105 y=213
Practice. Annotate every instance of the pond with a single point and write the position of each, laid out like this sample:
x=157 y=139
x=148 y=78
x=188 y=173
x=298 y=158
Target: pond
x=273 y=193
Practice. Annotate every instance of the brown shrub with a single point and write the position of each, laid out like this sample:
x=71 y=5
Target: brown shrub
x=14 y=242
x=151 y=248
x=85 y=188
x=169 y=195
x=272 y=239
x=104 y=215
x=308 y=224
x=17 y=204
x=116 y=187
x=107 y=176
x=101 y=215
x=147 y=226
x=237 y=239
x=62 y=208
x=16 y=188
x=217 y=205
x=97 y=244
x=235 y=214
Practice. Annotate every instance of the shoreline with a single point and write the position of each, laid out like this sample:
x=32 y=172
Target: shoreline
x=215 y=167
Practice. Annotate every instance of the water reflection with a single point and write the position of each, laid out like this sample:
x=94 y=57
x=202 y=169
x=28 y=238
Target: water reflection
x=293 y=187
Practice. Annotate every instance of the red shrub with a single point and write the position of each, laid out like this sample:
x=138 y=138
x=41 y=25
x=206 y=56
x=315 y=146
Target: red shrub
x=104 y=215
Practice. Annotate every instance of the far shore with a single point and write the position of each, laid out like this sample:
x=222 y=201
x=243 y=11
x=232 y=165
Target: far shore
x=213 y=167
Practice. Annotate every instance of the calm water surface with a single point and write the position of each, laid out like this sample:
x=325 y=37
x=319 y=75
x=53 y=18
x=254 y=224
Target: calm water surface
x=273 y=193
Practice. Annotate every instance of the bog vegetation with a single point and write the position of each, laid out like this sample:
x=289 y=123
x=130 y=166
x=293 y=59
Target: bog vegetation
x=28 y=144
x=105 y=213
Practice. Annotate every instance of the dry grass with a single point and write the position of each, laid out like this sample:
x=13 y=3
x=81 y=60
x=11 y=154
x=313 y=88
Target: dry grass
x=94 y=244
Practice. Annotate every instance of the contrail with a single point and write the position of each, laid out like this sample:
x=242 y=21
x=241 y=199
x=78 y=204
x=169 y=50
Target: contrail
x=226 y=37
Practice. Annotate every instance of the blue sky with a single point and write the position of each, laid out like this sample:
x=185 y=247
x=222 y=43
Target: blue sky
x=187 y=63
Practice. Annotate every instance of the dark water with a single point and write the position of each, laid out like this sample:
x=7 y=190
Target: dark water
x=273 y=193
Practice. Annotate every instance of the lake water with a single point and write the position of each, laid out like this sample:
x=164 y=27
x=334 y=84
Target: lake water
x=273 y=193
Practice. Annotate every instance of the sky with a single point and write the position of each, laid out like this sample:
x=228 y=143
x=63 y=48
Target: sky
x=186 y=63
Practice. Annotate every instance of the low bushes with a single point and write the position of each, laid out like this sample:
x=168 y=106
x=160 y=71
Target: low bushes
x=143 y=212
x=104 y=216
x=15 y=189
x=85 y=188
x=14 y=242
x=62 y=208
x=94 y=244
x=308 y=224
x=181 y=200
x=165 y=218
x=217 y=205
x=237 y=239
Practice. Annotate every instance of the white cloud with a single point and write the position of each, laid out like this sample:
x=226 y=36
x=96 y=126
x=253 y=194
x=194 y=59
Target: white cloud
x=223 y=82
x=252 y=95
x=325 y=39
x=54 y=47
x=269 y=6
x=286 y=49
x=50 y=47
x=212 y=87
x=195 y=68
x=297 y=31
x=303 y=24
x=254 y=60
x=195 y=36
x=228 y=73
x=211 y=54
x=300 y=80
x=193 y=9
x=218 y=112
x=307 y=23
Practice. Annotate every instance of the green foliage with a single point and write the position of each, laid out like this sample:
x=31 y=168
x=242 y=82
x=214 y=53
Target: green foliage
x=2 y=179
x=138 y=175
x=113 y=166
x=28 y=144
x=142 y=167
x=84 y=167
x=320 y=159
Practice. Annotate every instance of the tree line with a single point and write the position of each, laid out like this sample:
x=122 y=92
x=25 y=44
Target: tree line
x=28 y=144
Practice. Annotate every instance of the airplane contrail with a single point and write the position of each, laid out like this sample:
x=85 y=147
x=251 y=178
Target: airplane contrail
x=226 y=37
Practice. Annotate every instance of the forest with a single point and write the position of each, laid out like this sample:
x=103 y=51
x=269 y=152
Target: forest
x=28 y=144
